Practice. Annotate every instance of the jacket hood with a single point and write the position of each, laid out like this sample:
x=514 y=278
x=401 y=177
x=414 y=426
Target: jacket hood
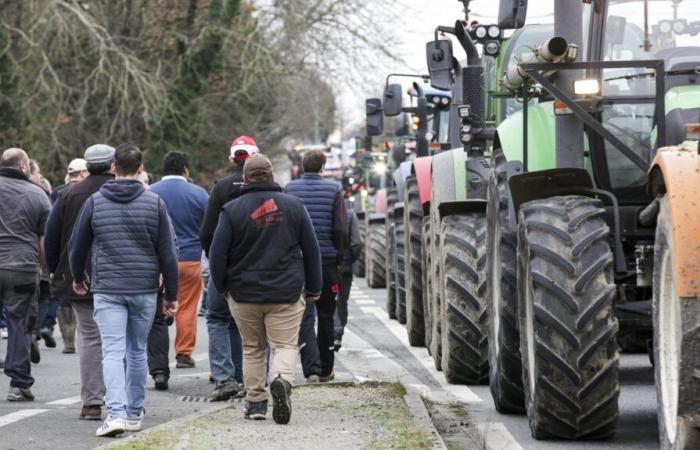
x=122 y=191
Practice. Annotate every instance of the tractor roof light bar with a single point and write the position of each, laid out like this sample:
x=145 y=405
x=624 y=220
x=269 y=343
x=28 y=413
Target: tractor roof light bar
x=535 y=71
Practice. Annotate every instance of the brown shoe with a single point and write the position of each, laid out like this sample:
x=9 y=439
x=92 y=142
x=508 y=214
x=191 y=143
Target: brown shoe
x=184 y=362
x=68 y=350
x=91 y=412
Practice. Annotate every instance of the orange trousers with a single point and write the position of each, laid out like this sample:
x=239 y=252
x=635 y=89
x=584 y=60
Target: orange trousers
x=189 y=291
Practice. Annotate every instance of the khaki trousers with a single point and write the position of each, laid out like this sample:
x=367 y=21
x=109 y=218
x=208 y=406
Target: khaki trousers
x=262 y=325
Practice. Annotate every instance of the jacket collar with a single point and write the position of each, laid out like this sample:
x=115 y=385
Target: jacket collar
x=261 y=187
x=173 y=177
x=312 y=176
x=9 y=172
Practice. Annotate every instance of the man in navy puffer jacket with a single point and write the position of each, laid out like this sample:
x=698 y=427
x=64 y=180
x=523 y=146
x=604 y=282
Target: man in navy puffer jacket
x=129 y=234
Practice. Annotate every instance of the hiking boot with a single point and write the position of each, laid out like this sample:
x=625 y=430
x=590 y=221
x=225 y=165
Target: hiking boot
x=160 y=381
x=281 y=391
x=256 y=410
x=135 y=422
x=225 y=390
x=313 y=379
x=184 y=362
x=34 y=354
x=112 y=426
x=18 y=394
x=91 y=412
x=47 y=336
x=68 y=350
x=327 y=378
x=337 y=345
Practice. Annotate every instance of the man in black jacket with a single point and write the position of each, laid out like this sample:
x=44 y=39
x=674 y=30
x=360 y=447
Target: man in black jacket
x=264 y=254
x=225 y=349
x=99 y=160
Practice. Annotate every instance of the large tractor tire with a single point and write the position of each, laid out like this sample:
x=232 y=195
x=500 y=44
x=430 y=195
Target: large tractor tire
x=464 y=326
x=376 y=255
x=567 y=320
x=390 y=254
x=506 y=373
x=676 y=347
x=359 y=268
x=399 y=258
x=436 y=286
x=413 y=221
x=426 y=256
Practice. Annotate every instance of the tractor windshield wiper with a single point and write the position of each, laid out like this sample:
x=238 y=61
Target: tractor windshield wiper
x=695 y=71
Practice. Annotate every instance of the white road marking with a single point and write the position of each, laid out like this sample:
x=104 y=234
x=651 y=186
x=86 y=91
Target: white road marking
x=7 y=419
x=65 y=401
x=365 y=302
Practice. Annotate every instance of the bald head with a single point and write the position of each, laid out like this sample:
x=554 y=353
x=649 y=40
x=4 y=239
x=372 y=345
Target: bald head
x=13 y=158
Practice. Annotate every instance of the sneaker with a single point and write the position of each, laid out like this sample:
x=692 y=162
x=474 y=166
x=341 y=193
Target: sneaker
x=134 y=422
x=91 y=412
x=47 y=336
x=68 y=350
x=256 y=410
x=18 y=394
x=313 y=379
x=161 y=382
x=184 y=362
x=3 y=333
x=336 y=345
x=225 y=390
x=281 y=391
x=34 y=354
x=328 y=378
x=111 y=427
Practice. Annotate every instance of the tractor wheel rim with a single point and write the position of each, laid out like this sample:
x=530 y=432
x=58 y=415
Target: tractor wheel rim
x=669 y=345
x=529 y=331
x=496 y=286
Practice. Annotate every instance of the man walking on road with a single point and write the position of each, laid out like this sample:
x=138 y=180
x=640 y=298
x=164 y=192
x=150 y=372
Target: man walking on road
x=21 y=258
x=99 y=162
x=349 y=257
x=324 y=202
x=128 y=231
x=225 y=350
x=186 y=203
x=263 y=254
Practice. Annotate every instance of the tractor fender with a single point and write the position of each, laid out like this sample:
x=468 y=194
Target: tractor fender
x=674 y=171
x=422 y=169
x=461 y=207
x=530 y=186
x=377 y=218
x=380 y=201
x=449 y=176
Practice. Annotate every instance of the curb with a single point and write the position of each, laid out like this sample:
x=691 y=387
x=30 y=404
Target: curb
x=417 y=408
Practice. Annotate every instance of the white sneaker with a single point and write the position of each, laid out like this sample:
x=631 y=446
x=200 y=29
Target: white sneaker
x=134 y=423
x=111 y=427
x=3 y=333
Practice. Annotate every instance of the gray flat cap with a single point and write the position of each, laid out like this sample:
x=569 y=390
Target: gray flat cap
x=99 y=153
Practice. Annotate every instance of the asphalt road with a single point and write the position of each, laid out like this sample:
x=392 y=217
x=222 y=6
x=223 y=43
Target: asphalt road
x=374 y=348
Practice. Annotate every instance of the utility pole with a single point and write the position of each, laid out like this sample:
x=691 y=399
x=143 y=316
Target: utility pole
x=568 y=23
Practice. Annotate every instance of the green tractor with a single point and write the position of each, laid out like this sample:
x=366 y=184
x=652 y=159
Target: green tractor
x=593 y=223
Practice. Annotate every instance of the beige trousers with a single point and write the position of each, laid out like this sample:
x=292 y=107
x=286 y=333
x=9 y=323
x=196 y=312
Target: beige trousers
x=267 y=325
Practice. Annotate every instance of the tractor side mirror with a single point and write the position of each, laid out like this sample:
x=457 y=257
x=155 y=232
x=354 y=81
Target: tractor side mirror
x=401 y=125
x=398 y=154
x=615 y=33
x=392 y=100
x=512 y=14
x=439 y=56
x=375 y=118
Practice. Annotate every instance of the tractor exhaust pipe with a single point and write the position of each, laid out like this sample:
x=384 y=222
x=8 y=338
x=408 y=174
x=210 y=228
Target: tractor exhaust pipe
x=551 y=50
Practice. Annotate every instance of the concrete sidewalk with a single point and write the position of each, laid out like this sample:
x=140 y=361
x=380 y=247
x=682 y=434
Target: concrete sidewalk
x=329 y=416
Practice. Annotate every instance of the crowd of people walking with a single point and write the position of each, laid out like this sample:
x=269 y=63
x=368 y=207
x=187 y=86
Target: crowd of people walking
x=116 y=259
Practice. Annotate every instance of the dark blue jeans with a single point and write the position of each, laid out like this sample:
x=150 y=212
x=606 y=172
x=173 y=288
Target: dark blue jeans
x=225 y=346
x=48 y=306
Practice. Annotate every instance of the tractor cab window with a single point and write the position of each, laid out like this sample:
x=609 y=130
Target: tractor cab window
x=671 y=30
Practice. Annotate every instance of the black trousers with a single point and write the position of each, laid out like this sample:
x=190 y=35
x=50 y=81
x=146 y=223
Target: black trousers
x=317 y=355
x=341 y=309
x=159 y=343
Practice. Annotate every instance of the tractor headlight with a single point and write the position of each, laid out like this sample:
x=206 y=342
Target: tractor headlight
x=436 y=100
x=665 y=26
x=679 y=27
x=480 y=32
x=445 y=101
x=491 y=48
x=586 y=87
x=380 y=168
x=494 y=31
x=351 y=180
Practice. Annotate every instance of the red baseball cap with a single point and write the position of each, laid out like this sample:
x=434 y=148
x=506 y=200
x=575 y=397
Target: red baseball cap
x=243 y=146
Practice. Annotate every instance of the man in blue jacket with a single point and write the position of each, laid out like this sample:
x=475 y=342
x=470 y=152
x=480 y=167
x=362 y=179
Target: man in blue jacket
x=264 y=254
x=128 y=232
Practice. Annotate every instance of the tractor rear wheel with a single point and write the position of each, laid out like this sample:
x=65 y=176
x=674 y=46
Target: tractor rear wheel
x=426 y=256
x=464 y=326
x=413 y=220
x=676 y=347
x=391 y=270
x=376 y=255
x=400 y=257
x=435 y=278
x=567 y=320
x=359 y=268
x=506 y=373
